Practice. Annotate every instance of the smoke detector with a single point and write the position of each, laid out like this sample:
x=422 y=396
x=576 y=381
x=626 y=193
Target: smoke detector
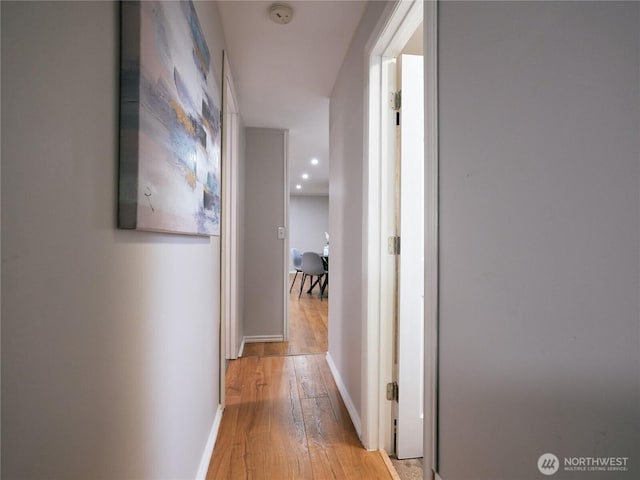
x=280 y=13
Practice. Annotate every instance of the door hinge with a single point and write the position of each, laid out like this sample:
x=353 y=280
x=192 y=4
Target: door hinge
x=397 y=100
x=393 y=245
x=392 y=391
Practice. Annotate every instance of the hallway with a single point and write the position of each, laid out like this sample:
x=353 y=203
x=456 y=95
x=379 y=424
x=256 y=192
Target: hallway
x=284 y=419
x=308 y=327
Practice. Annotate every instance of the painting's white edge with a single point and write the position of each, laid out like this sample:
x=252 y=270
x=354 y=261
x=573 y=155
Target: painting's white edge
x=208 y=449
x=344 y=393
x=225 y=281
x=261 y=338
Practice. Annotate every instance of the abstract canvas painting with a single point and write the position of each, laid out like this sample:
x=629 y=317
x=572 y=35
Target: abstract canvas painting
x=170 y=142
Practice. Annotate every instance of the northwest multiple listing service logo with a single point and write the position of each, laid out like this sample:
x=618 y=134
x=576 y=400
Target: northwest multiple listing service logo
x=549 y=464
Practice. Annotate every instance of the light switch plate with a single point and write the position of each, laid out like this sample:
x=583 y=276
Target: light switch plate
x=281 y=233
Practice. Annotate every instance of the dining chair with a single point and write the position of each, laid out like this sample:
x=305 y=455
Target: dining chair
x=312 y=266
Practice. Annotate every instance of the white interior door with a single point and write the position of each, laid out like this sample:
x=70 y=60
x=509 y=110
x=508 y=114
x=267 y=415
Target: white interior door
x=410 y=346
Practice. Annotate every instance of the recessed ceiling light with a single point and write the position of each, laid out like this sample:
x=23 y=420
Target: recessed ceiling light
x=298 y=187
x=305 y=176
x=314 y=161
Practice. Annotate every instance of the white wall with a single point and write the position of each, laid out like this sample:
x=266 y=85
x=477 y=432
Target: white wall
x=346 y=218
x=110 y=353
x=264 y=253
x=308 y=220
x=539 y=236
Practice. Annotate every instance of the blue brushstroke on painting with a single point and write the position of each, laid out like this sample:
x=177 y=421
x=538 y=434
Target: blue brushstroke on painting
x=200 y=50
x=211 y=114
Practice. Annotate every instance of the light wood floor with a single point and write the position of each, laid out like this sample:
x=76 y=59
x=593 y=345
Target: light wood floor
x=285 y=420
x=307 y=326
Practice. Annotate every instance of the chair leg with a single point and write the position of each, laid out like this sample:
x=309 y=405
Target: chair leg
x=294 y=281
x=324 y=285
x=321 y=287
x=304 y=277
x=313 y=283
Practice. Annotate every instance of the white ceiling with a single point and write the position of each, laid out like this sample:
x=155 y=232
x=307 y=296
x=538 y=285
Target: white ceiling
x=284 y=74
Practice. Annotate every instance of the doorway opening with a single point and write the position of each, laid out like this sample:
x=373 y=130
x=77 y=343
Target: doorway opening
x=307 y=213
x=308 y=307
x=308 y=221
x=408 y=255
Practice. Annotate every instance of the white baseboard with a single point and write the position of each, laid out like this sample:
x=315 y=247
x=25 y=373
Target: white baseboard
x=351 y=408
x=262 y=338
x=241 y=349
x=208 y=449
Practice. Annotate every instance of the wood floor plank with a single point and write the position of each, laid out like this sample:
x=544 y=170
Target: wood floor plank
x=275 y=348
x=309 y=377
x=253 y=349
x=221 y=460
x=233 y=383
x=323 y=439
x=225 y=453
x=290 y=456
x=335 y=450
x=339 y=408
x=251 y=423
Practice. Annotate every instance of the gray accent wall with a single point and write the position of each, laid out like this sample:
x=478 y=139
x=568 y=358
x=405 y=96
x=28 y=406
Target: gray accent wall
x=308 y=220
x=264 y=211
x=110 y=338
x=539 y=236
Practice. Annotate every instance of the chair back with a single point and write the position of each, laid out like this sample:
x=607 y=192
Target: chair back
x=312 y=264
x=296 y=258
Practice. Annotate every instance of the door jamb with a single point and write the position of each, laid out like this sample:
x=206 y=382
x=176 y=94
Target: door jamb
x=229 y=222
x=285 y=243
x=431 y=236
